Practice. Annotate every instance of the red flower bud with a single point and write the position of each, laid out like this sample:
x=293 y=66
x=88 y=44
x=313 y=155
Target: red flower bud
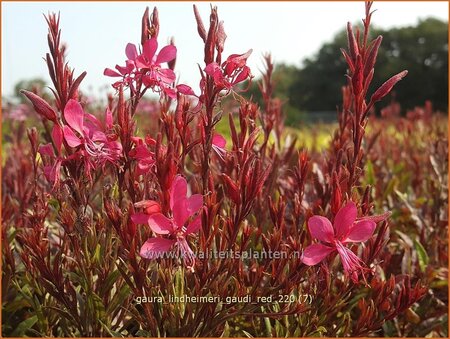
x=385 y=88
x=40 y=105
x=152 y=207
x=337 y=198
x=372 y=57
x=352 y=43
x=232 y=189
x=200 y=27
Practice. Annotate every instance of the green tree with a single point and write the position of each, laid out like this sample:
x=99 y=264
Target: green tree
x=283 y=77
x=36 y=84
x=421 y=49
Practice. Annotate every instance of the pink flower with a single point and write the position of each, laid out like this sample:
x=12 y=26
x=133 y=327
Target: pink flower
x=147 y=67
x=151 y=71
x=150 y=207
x=173 y=230
x=86 y=131
x=218 y=145
x=347 y=229
x=232 y=71
x=145 y=158
x=125 y=72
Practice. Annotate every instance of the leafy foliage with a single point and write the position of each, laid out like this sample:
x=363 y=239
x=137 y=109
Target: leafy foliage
x=101 y=206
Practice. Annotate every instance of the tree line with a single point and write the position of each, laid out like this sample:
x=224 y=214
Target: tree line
x=421 y=49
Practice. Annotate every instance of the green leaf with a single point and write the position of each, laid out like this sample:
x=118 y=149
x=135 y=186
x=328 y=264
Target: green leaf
x=96 y=257
x=24 y=326
x=248 y=335
x=96 y=304
x=318 y=332
x=118 y=299
x=370 y=176
x=422 y=255
x=439 y=283
x=110 y=281
x=226 y=331
x=267 y=324
x=112 y=333
x=54 y=203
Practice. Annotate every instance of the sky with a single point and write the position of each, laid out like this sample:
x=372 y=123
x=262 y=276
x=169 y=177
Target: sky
x=97 y=32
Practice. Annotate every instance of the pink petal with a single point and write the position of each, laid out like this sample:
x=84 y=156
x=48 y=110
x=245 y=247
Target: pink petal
x=92 y=123
x=242 y=75
x=344 y=219
x=131 y=51
x=74 y=115
x=71 y=138
x=123 y=70
x=99 y=136
x=140 y=218
x=170 y=92
x=141 y=152
x=53 y=173
x=111 y=73
x=239 y=59
x=361 y=231
x=57 y=135
x=166 y=54
x=315 y=253
x=129 y=65
x=50 y=174
x=321 y=228
x=160 y=224
x=180 y=212
x=219 y=79
x=194 y=203
x=178 y=190
x=137 y=140
x=115 y=147
x=166 y=75
x=195 y=225
x=46 y=149
x=145 y=165
x=149 y=49
x=185 y=89
x=219 y=141
x=155 y=248
x=141 y=62
x=212 y=68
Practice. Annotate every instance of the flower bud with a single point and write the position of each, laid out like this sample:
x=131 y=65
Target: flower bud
x=232 y=189
x=385 y=88
x=40 y=105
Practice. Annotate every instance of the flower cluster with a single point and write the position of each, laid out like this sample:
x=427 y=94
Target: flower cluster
x=146 y=68
x=183 y=221
x=347 y=229
x=232 y=71
x=87 y=132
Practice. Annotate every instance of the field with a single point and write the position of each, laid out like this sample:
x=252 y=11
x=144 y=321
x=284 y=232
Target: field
x=203 y=215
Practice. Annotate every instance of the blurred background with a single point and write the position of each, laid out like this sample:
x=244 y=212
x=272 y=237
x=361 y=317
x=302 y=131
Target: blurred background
x=304 y=39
